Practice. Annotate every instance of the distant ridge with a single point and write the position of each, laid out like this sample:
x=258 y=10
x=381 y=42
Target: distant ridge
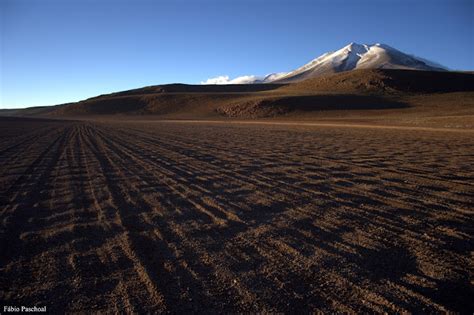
x=383 y=81
x=194 y=101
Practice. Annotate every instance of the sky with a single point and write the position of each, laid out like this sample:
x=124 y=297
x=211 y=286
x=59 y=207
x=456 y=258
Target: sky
x=54 y=52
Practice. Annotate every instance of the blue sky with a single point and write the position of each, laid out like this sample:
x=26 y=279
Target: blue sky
x=61 y=51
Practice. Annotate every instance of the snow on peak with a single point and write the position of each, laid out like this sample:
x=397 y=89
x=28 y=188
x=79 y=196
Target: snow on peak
x=360 y=56
x=274 y=76
x=354 y=47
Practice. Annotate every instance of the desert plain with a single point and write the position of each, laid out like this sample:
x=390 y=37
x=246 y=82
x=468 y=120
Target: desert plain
x=348 y=209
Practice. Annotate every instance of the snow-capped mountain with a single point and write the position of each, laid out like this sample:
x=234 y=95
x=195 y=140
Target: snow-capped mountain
x=351 y=57
x=358 y=56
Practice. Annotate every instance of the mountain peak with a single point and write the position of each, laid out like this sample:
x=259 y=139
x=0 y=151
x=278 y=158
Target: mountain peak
x=359 y=56
x=353 y=44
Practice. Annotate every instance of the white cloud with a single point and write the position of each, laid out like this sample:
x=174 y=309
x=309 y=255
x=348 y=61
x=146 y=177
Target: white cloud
x=245 y=79
x=224 y=79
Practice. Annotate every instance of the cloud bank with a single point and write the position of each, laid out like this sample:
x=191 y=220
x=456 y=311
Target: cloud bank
x=245 y=79
x=224 y=79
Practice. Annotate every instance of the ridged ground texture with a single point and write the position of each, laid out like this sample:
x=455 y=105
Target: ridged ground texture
x=179 y=217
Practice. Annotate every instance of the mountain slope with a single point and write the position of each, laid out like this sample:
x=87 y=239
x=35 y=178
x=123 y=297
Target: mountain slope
x=383 y=81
